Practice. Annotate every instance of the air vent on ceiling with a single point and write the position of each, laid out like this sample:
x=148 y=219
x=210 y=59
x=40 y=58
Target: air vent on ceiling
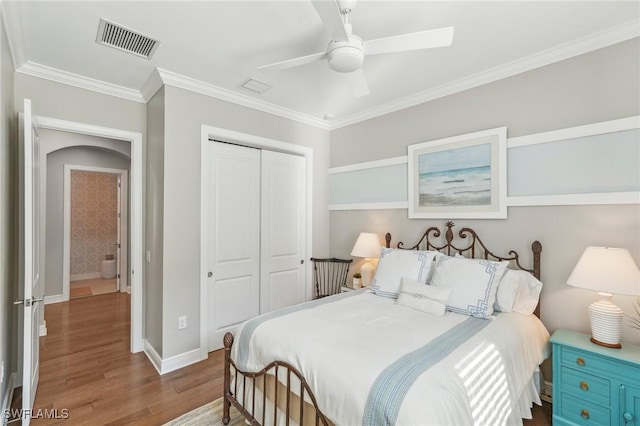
x=256 y=86
x=123 y=38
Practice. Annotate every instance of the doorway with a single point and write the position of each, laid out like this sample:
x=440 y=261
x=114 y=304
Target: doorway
x=95 y=231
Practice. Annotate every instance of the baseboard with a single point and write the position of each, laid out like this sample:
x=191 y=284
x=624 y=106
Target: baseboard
x=128 y=289
x=175 y=362
x=547 y=392
x=89 y=276
x=56 y=298
x=42 y=329
x=8 y=396
x=182 y=360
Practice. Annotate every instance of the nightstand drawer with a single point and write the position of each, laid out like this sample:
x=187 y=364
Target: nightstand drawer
x=583 y=385
x=586 y=361
x=584 y=412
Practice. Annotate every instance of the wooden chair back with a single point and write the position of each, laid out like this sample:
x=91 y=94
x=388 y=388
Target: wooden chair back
x=329 y=275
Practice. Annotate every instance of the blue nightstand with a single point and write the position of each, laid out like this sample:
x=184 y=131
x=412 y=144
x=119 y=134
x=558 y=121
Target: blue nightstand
x=594 y=385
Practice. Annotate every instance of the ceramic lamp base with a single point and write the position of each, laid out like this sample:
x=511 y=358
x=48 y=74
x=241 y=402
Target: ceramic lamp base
x=606 y=322
x=366 y=270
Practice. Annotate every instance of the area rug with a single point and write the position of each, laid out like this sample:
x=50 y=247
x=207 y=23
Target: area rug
x=80 y=291
x=207 y=415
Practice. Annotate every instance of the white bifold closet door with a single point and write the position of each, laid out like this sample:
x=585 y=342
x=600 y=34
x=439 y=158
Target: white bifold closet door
x=255 y=235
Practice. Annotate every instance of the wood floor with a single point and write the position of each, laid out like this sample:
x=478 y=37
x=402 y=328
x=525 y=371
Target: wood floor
x=92 y=287
x=86 y=368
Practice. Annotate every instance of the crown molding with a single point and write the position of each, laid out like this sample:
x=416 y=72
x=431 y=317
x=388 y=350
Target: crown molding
x=13 y=29
x=564 y=51
x=151 y=86
x=197 y=86
x=54 y=74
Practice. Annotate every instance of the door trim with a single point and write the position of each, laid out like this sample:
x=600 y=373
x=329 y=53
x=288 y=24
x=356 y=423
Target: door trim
x=206 y=134
x=135 y=206
x=66 y=236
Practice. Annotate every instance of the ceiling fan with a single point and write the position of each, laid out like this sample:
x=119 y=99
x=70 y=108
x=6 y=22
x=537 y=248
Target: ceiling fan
x=346 y=51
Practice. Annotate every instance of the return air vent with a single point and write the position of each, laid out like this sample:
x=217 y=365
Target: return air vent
x=256 y=86
x=123 y=38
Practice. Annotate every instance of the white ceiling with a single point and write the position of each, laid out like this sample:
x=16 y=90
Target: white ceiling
x=222 y=42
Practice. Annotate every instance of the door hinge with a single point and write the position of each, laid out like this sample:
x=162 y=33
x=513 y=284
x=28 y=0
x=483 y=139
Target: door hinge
x=118 y=276
x=119 y=216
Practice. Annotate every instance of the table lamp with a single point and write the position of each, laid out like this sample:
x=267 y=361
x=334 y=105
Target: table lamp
x=367 y=246
x=606 y=270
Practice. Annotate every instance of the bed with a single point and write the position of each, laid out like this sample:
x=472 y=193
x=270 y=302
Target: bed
x=363 y=358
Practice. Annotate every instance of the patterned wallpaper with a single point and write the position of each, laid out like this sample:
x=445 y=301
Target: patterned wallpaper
x=94 y=208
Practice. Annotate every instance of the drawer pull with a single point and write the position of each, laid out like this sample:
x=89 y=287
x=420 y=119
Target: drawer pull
x=628 y=417
x=584 y=413
x=580 y=361
x=584 y=386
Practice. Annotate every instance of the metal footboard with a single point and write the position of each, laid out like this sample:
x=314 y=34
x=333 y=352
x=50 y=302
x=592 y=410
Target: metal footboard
x=287 y=404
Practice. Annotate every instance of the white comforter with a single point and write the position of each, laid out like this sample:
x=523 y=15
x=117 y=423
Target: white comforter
x=341 y=348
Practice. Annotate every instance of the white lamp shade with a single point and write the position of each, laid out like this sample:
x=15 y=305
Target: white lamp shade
x=367 y=245
x=606 y=269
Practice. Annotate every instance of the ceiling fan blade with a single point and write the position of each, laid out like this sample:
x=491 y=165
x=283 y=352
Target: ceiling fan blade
x=413 y=41
x=358 y=83
x=330 y=14
x=290 y=63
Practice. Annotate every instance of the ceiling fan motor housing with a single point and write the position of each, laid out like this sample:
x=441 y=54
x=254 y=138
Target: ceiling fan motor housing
x=346 y=56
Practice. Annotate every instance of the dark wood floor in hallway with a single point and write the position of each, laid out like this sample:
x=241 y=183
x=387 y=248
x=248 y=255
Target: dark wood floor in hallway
x=86 y=367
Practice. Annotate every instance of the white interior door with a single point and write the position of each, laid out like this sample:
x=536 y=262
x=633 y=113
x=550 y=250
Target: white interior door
x=30 y=248
x=119 y=233
x=233 y=238
x=282 y=231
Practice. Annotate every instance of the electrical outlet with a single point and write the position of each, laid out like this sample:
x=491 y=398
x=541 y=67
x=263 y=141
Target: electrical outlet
x=182 y=322
x=2 y=373
x=148 y=256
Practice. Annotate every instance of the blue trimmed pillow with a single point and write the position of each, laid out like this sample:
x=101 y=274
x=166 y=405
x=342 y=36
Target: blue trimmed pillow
x=395 y=264
x=473 y=283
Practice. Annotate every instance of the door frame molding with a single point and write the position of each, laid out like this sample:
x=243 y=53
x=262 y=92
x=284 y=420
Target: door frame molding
x=66 y=239
x=135 y=206
x=245 y=139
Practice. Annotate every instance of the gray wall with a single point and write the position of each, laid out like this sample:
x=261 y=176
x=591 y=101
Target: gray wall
x=185 y=112
x=80 y=156
x=154 y=224
x=598 y=86
x=8 y=224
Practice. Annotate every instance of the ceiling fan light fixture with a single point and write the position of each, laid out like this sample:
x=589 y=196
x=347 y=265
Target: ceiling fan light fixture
x=346 y=56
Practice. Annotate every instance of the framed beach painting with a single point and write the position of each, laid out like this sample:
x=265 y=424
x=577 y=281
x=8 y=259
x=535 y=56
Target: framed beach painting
x=459 y=177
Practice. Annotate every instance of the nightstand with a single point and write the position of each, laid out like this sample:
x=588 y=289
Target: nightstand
x=593 y=384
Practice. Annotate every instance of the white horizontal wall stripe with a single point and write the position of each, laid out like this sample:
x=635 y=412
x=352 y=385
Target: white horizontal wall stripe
x=369 y=165
x=370 y=206
x=575 y=199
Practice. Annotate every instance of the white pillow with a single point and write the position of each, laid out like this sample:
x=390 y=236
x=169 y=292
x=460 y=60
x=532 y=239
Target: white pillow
x=473 y=283
x=519 y=291
x=395 y=264
x=440 y=294
x=425 y=298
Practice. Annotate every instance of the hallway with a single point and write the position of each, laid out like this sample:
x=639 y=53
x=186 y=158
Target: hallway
x=86 y=367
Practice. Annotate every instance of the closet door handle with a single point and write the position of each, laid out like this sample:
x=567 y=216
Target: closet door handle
x=302 y=261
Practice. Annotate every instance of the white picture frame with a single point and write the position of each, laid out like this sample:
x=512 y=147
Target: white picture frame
x=460 y=177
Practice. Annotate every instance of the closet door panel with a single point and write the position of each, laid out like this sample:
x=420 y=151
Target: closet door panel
x=282 y=231
x=233 y=238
